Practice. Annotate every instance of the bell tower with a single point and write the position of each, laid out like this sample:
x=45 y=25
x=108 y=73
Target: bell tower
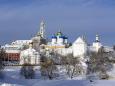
x=42 y=29
x=97 y=45
x=97 y=38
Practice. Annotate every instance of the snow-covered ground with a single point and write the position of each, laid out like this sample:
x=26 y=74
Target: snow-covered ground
x=13 y=78
x=36 y=82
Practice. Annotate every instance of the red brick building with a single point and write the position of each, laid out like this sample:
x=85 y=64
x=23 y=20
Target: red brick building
x=12 y=52
x=12 y=57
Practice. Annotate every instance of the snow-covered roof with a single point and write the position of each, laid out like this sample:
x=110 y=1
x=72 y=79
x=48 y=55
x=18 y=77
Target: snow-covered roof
x=21 y=42
x=29 y=52
x=108 y=49
x=79 y=40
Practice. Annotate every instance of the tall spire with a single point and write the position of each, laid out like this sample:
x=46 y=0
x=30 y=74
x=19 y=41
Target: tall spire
x=42 y=29
x=84 y=38
x=59 y=30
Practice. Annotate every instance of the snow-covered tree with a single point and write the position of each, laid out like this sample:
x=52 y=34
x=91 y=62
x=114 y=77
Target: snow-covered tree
x=27 y=71
x=99 y=64
x=72 y=65
x=48 y=68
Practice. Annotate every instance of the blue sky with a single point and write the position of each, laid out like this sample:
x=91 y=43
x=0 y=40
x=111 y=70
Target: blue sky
x=19 y=19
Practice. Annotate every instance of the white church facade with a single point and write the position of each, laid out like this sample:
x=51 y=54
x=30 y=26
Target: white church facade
x=30 y=56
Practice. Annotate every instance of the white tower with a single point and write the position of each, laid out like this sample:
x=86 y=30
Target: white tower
x=65 y=40
x=79 y=48
x=97 y=45
x=97 y=38
x=42 y=29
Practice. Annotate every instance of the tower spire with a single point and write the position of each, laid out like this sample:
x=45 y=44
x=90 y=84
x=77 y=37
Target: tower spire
x=84 y=38
x=59 y=29
x=42 y=29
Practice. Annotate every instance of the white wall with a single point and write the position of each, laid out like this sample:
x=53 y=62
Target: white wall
x=79 y=50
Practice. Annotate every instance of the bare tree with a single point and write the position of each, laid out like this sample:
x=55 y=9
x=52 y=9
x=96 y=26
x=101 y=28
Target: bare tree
x=48 y=69
x=114 y=47
x=72 y=65
x=99 y=63
x=2 y=56
x=27 y=71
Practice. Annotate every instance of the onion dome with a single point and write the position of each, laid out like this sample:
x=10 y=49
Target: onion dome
x=54 y=37
x=59 y=34
x=61 y=37
x=65 y=37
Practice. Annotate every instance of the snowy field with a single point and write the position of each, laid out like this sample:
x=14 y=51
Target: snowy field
x=13 y=78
